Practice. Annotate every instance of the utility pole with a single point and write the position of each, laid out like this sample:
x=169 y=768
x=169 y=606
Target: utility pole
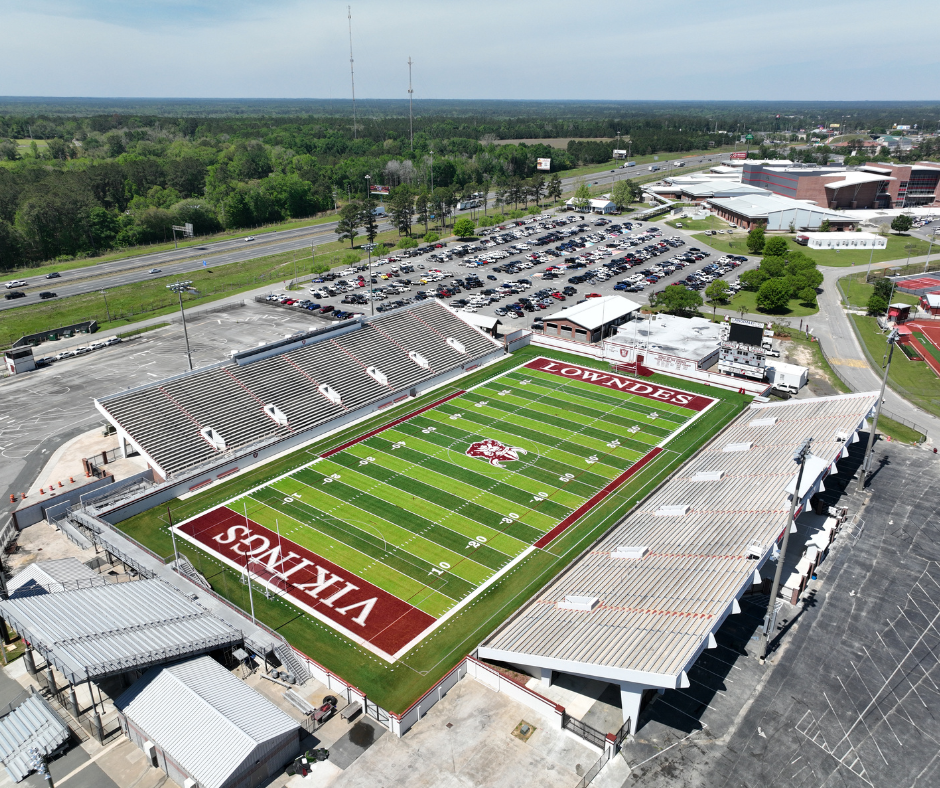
x=178 y=288
x=411 y=119
x=799 y=457
x=108 y=309
x=866 y=464
x=352 y=76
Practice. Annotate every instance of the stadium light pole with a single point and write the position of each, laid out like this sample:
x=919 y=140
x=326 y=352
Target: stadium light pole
x=799 y=456
x=178 y=288
x=927 y=261
x=869 y=449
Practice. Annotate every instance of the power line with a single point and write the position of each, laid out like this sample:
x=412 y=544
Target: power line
x=352 y=75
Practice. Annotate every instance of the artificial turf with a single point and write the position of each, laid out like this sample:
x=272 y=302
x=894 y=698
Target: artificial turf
x=471 y=496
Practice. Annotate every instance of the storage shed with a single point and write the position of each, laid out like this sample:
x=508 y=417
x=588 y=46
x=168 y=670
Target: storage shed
x=204 y=727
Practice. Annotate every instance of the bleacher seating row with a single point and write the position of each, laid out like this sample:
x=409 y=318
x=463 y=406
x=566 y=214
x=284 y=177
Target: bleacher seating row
x=165 y=419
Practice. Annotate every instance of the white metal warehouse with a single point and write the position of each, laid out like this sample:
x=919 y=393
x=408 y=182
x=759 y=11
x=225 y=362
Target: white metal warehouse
x=640 y=606
x=206 y=728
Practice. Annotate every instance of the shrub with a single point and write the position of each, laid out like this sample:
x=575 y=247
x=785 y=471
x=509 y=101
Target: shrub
x=431 y=238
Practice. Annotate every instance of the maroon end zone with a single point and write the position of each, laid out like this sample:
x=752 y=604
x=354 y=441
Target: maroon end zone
x=356 y=606
x=609 y=380
x=584 y=508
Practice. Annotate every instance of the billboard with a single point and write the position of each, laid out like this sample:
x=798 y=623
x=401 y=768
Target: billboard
x=381 y=191
x=739 y=155
x=543 y=164
x=620 y=154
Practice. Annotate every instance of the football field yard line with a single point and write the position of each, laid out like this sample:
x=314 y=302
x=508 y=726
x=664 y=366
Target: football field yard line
x=539 y=469
x=533 y=441
x=455 y=475
x=631 y=406
x=456 y=538
x=391 y=580
x=590 y=392
x=471 y=494
x=398 y=536
x=523 y=485
x=618 y=430
x=470 y=527
x=294 y=523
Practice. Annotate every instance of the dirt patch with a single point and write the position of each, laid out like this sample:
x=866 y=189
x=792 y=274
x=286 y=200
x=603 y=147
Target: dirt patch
x=820 y=380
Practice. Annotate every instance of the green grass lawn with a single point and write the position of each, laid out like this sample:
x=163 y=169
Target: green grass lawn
x=127 y=304
x=857 y=292
x=396 y=686
x=890 y=427
x=895 y=250
x=748 y=299
x=708 y=223
x=914 y=380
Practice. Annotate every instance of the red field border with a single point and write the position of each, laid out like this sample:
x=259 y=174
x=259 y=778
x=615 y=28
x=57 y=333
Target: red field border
x=391 y=424
x=578 y=513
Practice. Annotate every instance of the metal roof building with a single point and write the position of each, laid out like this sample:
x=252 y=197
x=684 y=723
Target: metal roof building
x=31 y=724
x=639 y=607
x=52 y=576
x=205 y=727
x=105 y=630
x=596 y=312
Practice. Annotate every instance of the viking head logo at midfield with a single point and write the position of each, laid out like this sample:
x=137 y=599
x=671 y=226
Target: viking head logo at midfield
x=494 y=452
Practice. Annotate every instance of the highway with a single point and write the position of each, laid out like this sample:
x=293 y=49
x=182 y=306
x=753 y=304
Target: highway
x=179 y=262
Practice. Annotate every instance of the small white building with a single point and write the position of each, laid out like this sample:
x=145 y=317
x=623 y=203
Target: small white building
x=667 y=342
x=204 y=727
x=842 y=240
x=595 y=205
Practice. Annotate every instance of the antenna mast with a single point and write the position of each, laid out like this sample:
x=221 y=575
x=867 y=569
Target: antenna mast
x=352 y=75
x=411 y=119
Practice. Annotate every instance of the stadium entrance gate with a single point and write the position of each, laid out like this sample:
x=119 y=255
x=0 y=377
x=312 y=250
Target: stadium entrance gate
x=584 y=731
x=377 y=712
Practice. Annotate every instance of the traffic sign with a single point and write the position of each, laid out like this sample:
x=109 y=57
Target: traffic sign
x=749 y=137
x=204 y=263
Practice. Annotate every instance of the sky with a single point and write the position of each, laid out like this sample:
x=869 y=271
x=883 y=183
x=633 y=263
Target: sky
x=850 y=50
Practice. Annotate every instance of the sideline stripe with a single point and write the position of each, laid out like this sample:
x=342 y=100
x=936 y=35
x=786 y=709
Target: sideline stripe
x=384 y=427
x=559 y=529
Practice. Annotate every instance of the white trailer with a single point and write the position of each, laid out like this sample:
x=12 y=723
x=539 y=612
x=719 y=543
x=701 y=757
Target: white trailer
x=786 y=377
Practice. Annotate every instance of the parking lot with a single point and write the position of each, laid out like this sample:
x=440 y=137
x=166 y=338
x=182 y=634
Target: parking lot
x=525 y=270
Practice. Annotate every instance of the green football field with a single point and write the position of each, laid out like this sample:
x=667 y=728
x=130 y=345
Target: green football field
x=395 y=685
x=418 y=517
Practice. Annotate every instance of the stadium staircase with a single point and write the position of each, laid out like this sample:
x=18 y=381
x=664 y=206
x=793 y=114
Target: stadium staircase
x=187 y=570
x=292 y=662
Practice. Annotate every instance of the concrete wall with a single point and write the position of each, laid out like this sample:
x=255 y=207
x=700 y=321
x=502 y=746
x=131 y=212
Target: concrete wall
x=36 y=512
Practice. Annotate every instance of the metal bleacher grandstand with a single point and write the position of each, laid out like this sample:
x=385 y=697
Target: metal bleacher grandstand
x=194 y=418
